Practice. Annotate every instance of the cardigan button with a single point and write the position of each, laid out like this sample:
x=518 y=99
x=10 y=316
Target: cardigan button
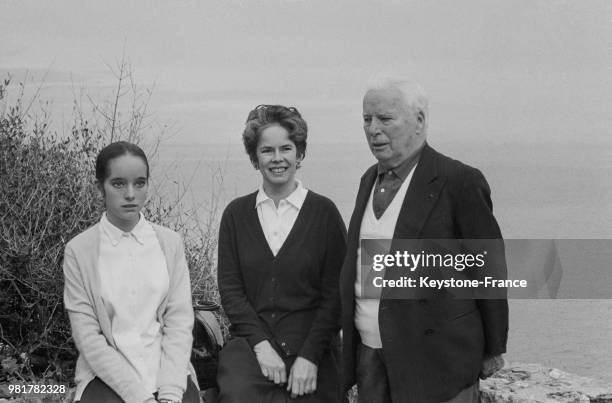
x=429 y=332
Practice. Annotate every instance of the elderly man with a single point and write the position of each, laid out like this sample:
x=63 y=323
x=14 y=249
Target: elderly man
x=416 y=350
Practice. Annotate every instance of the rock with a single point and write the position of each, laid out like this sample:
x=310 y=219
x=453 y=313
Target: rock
x=555 y=373
x=533 y=383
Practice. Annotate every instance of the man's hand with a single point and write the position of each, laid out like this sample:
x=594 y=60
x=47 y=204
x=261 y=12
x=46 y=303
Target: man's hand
x=272 y=366
x=490 y=365
x=302 y=378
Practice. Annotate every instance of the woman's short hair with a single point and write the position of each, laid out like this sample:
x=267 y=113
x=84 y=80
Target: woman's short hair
x=264 y=116
x=114 y=150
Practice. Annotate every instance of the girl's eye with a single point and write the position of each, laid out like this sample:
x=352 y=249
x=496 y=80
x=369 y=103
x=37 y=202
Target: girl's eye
x=117 y=185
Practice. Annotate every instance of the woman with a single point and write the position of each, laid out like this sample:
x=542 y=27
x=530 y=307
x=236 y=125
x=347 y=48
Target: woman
x=280 y=252
x=127 y=294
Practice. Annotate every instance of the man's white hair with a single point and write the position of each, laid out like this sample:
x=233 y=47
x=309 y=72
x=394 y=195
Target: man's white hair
x=413 y=92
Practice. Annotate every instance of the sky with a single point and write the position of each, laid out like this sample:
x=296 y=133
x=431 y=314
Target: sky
x=495 y=71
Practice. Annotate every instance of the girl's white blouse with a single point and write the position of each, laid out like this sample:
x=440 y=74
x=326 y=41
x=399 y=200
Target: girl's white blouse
x=134 y=281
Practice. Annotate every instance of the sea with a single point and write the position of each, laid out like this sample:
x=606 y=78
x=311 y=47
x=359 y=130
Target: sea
x=539 y=191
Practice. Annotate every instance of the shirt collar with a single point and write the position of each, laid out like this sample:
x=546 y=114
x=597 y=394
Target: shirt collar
x=296 y=198
x=402 y=170
x=115 y=234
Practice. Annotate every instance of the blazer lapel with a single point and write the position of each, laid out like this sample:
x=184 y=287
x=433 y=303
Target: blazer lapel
x=348 y=267
x=421 y=196
x=363 y=194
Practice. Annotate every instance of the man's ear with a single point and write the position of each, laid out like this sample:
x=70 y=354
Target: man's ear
x=421 y=121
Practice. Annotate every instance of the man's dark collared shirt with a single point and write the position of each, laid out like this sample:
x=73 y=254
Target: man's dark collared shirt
x=388 y=182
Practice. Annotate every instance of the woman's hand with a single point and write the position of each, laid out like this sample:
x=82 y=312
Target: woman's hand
x=272 y=366
x=302 y=377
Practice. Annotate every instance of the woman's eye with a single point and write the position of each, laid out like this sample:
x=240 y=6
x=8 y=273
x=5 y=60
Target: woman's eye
x=117 y=185
x=141 y=184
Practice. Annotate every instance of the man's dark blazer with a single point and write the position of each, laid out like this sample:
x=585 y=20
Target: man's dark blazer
x=433 y=348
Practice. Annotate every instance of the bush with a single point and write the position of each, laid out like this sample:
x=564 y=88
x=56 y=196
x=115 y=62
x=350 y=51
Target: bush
x=47 y=196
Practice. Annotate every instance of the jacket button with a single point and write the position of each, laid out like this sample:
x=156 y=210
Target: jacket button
x=283 y=344
x=273 y=315
x=429 y=332
x=422 y=302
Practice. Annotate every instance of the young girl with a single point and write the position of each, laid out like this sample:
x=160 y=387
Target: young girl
x=127 y=294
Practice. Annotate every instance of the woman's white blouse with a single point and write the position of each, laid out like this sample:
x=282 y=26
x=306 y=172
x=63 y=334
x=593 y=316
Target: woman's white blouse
x=276 y=222
x=134 y=281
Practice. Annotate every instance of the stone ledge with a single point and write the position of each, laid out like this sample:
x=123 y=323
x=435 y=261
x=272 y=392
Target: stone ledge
x=515 y=383
x=533 y=383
